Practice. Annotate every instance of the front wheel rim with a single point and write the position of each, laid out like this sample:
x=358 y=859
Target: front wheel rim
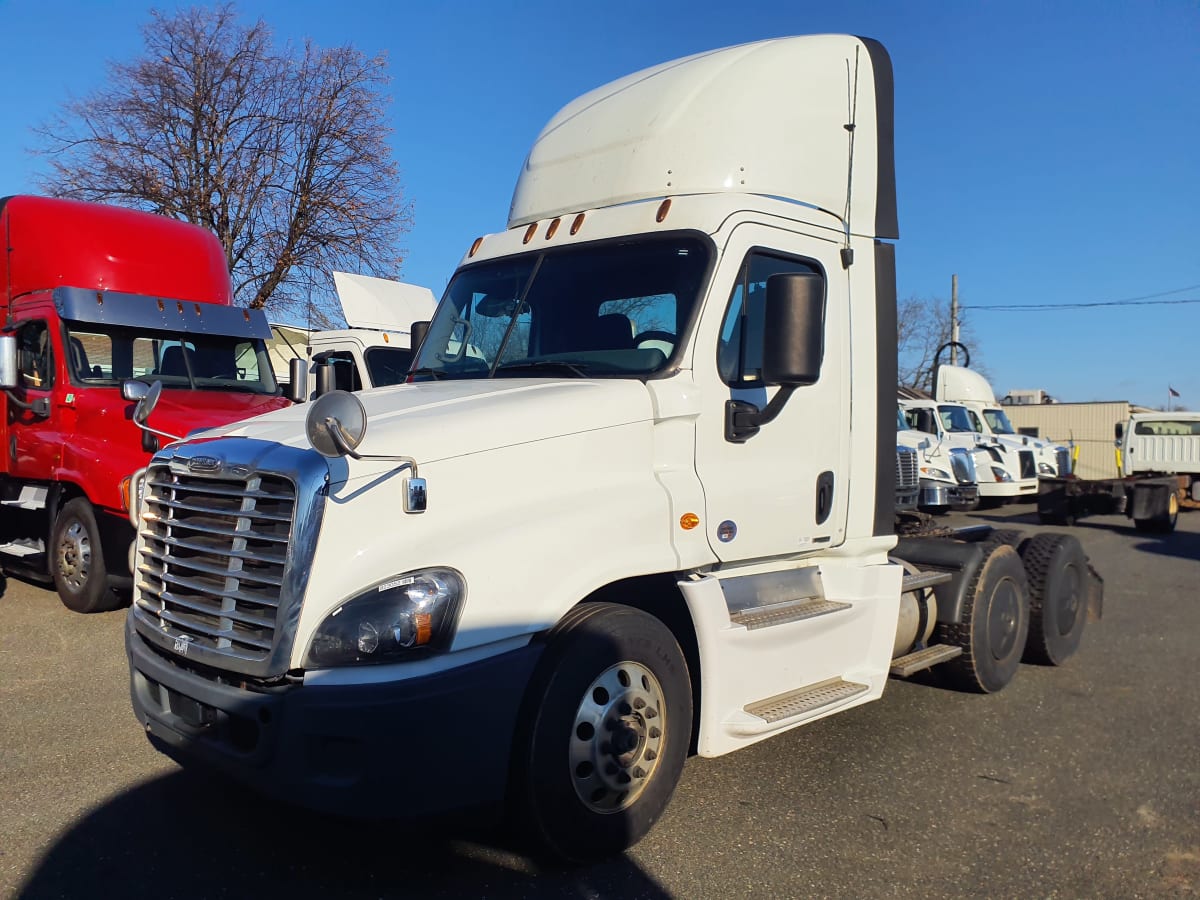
x=75 y=555
x=617 y=737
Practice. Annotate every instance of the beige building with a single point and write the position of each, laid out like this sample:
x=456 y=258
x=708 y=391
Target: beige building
x=1089 y=427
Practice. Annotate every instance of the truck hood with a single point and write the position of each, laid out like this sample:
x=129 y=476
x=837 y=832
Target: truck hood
x=431 y=421
x=181 y=412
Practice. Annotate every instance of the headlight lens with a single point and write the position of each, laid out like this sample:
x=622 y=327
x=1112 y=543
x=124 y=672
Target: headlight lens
x=934 y=472
x=1000 y=474
x=1046 y=469
x=401 y=618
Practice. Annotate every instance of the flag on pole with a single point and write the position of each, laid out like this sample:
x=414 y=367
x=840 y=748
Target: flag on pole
x=1174 y=393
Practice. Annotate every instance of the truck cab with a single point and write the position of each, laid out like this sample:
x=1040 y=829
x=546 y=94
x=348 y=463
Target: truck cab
x=947 y=473
x=96 y=298
x=375 y=350
x=634 y=501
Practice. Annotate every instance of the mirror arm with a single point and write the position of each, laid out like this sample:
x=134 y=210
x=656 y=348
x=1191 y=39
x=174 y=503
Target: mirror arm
x=742 y=419
x=334 y=427
x=166 y=434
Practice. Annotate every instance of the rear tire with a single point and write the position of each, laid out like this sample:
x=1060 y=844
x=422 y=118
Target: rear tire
x=605 y=731
x=1056 y=567
x=77 y=560
x=994 y=626
x=1164 y=523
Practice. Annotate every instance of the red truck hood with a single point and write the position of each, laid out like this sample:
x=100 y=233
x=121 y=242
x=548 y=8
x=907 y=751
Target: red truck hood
x=181 y=412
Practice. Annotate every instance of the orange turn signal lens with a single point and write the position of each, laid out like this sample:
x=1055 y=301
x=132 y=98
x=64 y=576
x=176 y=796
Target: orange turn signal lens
x=688 y=521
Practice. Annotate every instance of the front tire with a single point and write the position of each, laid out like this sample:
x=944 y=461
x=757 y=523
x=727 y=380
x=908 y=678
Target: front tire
x=994 y=626
x=77 y=560
x=607 y=724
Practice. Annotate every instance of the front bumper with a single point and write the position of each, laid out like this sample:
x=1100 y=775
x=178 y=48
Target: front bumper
x=936 y=494
x=425 y=746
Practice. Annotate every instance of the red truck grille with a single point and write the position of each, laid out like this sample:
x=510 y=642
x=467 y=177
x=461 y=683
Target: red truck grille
x=212 y=557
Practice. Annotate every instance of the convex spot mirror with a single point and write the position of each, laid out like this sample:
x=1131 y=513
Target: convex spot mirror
x=146 y=404
x=794 y=329
x=336 y=424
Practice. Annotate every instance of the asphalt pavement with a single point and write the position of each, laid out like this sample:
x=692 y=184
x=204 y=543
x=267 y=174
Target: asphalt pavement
x=1077 y=781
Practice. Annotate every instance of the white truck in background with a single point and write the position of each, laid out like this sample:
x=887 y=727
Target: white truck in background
x=957 y=384
x=1002 y=473
x=946 y=474
x=376 y=348
x=636 y=502
x=1159 y=459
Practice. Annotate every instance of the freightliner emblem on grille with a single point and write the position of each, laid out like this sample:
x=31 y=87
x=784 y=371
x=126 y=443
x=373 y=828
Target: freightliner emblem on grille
x=203 y=464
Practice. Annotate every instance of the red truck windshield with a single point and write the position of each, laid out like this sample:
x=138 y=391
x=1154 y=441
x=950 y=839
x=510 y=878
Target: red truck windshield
x=102 y=355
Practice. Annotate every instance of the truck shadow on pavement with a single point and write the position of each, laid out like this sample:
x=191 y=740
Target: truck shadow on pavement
x=188 y=835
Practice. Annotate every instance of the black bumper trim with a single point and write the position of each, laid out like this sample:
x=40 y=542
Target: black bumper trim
x=404 y=749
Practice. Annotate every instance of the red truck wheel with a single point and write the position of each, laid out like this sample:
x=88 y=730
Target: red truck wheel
x=77 y=560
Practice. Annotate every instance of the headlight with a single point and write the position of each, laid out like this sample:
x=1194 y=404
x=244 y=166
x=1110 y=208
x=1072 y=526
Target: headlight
x=1000 y=474
x=934 y=472
x=1046 y=469
x=406 y=616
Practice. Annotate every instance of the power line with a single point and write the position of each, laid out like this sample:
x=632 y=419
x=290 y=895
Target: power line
x=1145 y=300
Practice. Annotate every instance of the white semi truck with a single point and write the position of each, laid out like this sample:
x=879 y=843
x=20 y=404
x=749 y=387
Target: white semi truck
x=946 y=473
x=635 y=502
x=376 y=348
x=966 y=387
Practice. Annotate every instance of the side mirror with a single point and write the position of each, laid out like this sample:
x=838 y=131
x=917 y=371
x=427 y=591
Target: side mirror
x=794 y=329
x=416 y=336
x=134 y=390
x=1119 y=430
x=297 y=380
x=325 y=380
x=8 y=362
x=336 y=424
x=146 y=404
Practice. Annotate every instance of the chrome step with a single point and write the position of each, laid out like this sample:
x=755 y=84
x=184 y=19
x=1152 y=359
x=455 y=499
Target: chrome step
x=903 y=666
x=805 y=700
x=31 y=497
x=23 y=547
x=922 y=580
x=780 y=613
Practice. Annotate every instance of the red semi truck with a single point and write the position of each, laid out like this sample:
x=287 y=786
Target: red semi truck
x=99 y=302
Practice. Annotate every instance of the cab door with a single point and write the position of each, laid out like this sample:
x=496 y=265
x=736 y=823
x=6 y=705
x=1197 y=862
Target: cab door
x=782 y=491
x=32 y=449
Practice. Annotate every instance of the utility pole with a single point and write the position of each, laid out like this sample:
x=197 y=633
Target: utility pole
x=954 y=320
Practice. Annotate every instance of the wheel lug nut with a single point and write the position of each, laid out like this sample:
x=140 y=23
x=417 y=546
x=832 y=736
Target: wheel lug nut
x=651 y=712
x=639 y=772
x=639 y=703
x=650 y=756
x=655 y=733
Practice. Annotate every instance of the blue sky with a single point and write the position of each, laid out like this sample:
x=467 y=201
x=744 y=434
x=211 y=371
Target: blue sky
x=1046 y=152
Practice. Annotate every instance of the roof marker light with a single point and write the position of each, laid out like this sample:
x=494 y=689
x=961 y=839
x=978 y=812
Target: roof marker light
x=529 y=233
x=663 y=209
x=552 y=229
x=475 y=247
x=577 y=224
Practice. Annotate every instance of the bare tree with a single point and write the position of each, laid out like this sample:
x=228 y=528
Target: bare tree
x=282 y=153
x=922 y=326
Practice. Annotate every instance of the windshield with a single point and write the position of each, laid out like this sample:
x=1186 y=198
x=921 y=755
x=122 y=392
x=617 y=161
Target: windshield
x=387 y=365
x=998 y=421
x=955 y=419
x=100 y=355
x=612 y=309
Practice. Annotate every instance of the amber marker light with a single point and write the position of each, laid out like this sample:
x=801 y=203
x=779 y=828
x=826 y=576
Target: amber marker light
x=688 y=521
x=424 y=626
x=552 y=229
x=529 y=233
x=386 y=339
x=663 y=209
x=475 y=247
x=577 y=224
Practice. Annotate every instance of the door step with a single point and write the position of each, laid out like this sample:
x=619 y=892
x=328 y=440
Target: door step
x=922 y=580
x=24 y=547
x=781 y=613
x=31 y=497
x=805 y=700
x=903 y=666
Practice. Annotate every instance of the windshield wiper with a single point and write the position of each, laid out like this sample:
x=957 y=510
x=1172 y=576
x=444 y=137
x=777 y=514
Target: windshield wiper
x=577 y=369
x=435 y=374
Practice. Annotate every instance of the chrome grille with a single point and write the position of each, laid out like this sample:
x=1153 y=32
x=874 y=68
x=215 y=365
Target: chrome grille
x=212 y=557
x=962 y=464
x=1028 y=468
x=906 y=468
x=1062 y=456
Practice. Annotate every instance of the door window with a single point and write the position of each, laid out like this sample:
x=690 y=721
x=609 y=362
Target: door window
x=33 y=356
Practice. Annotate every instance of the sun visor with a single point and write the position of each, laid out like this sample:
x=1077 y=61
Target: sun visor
x=380 y=304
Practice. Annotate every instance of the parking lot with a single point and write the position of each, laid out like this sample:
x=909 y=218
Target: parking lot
x=1082 y=781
